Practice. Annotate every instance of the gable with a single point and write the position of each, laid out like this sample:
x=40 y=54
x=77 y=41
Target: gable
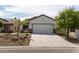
x=42 y=19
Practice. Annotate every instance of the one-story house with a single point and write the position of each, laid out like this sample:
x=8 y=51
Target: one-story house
x=7 y=26
x=42 y=24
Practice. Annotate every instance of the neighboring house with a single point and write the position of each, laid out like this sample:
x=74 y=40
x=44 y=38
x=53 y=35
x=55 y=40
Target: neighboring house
x=42 y=24
x=11 y=26
x=7 y=26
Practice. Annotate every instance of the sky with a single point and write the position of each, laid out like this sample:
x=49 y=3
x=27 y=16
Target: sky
x=28 y=11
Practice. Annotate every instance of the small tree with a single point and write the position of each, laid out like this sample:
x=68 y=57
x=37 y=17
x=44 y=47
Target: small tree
x=25 y=23
x=68 y=18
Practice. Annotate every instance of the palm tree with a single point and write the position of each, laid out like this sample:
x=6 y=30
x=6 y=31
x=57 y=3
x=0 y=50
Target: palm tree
x=68 y=18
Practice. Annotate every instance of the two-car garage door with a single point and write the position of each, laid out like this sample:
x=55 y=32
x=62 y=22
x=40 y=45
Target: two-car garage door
x=43 y=28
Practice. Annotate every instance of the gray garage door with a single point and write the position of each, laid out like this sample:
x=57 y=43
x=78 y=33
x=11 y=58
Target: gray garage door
x=43 y=28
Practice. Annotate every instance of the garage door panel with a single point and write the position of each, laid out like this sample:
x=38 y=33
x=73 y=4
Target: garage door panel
x=43 y=28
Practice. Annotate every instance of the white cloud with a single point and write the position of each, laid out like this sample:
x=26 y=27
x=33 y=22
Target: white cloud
x=3 y=13
x=34 y=10
x=13 y=9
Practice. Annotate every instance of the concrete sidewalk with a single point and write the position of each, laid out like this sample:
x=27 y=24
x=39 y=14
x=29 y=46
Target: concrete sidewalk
x=21 y=49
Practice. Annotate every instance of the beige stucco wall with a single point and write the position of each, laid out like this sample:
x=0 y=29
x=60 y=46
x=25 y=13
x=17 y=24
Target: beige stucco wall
x=17 y=23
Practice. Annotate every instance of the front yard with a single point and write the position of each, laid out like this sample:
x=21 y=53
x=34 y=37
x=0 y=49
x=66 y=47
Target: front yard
x=72 y=38
x=11 y=39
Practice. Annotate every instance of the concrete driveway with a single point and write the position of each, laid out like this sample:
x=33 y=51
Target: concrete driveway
x=39 y=40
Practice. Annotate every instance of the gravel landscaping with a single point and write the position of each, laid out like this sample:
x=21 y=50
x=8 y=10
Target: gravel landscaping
x=11 y=39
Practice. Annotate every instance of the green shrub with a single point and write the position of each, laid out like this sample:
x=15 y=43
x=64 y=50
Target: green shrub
x=60 y=31
x=1 y=24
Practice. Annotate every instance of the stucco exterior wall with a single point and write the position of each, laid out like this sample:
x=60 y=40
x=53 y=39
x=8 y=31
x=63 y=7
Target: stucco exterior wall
x=77 y=33
x=42 y=19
